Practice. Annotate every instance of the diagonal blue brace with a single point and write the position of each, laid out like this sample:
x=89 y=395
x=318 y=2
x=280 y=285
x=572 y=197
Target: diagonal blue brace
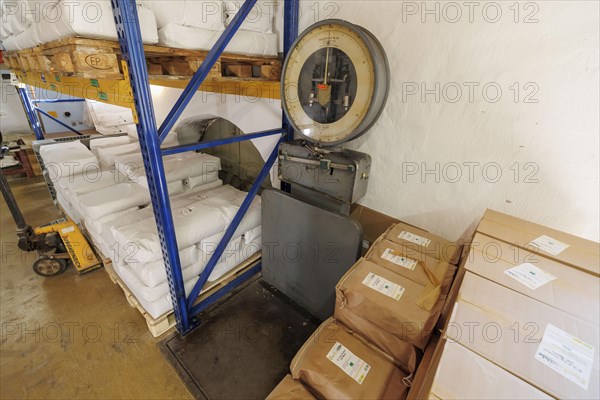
x=210 y=266
x=210 y=60
x=132 y=50
x=58 y=121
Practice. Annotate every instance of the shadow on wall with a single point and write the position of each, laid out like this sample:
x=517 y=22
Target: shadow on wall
x=240 y=162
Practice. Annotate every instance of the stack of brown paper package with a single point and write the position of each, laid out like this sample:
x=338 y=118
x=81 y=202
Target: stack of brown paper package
x=386 y=308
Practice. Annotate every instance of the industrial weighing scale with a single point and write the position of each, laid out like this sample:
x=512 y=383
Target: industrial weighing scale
x=334 y=87
x=335 y=83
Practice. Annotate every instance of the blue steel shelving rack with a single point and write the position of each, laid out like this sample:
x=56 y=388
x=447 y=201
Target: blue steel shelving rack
x=151 y=137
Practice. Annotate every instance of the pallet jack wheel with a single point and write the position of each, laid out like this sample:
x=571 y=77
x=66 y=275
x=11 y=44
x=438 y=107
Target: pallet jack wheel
x=46 y=266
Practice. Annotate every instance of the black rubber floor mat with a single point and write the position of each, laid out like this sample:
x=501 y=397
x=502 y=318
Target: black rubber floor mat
x=244 y=345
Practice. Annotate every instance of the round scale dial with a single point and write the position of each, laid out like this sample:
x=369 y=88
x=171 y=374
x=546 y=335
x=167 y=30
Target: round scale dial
x=335 y=82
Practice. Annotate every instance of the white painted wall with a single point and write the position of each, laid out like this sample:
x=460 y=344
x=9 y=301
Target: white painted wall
x=545 y=146
x=12 y=115
x=554 y=142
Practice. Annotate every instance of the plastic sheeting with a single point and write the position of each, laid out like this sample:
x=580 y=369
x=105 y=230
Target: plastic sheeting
x=163 y=303
x=153 y=273
x=243 y=42
x=260 y=18
x=46 y=21
x=206 y=14
x=108 y=142
x=111 y=199
x=193 y=222
x=202 y=167
x=108 y=155
x=67 y=159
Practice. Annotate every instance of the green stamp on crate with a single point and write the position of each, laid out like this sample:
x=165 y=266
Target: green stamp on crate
x=102 y=96
x=94 y=82
x=57 y=78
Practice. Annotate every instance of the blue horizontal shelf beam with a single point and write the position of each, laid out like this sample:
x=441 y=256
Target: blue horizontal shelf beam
x=57 y=121
x=210 y=60
x=218 y=142
x=57 y=101
x=210 y=266
x=204 y=304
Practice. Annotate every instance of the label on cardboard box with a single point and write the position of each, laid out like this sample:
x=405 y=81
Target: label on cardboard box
x=402 y=261
x=567 y=355
x=353 y=366
x=529 y=275
x=411 y=237
x=384 y=286
x=549 y=245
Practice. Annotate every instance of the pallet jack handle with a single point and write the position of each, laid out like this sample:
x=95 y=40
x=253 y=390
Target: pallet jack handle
x=11 y=202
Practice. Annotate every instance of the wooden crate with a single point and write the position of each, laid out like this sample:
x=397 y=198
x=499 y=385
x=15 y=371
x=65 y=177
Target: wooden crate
x=101 y=59
x=164 y=323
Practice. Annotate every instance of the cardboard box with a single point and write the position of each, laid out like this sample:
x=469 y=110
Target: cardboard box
x=451 y=297
x=423 y=378
x=373 y=222
x=397 y=305
x=573 y=291
x=424 y=270
x=290 y=389
x=337 y=365
x=403 y=354
x=415 y=241
x=527 y=338
x=462 y=374
x=579 y=253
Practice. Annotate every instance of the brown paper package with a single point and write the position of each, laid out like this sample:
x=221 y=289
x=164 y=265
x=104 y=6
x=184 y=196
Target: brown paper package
x=404 y=355
x=290 y=389
x=439 y=248
x=328 y=381
x=410 y=318
x=428 y=270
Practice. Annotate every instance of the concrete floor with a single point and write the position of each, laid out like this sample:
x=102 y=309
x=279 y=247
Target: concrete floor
x=70 y=336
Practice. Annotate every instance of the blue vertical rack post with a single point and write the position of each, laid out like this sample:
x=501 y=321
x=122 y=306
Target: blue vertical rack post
x=151 y=137
x=291 y=19
x=34 y=121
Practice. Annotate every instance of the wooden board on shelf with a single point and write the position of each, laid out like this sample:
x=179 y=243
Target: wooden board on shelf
x=101 y=59
x=164 y=323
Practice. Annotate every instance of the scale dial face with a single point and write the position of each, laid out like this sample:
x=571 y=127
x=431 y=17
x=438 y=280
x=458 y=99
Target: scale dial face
x=334 y=82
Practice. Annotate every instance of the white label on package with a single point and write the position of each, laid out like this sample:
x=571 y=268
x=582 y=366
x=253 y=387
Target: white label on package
x=567 y=355
x=384 y=286
x=411 y=237
x=530 y=275
x=549 y=245
x=402 y=261
x=353 y=366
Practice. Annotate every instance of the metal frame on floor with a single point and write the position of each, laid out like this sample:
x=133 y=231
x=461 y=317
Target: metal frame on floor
x=151 y=137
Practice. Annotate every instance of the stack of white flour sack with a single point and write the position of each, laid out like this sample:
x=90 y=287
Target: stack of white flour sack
x=104 y=188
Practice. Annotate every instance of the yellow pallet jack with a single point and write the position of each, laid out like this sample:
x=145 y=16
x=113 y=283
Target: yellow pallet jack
x=56 y=242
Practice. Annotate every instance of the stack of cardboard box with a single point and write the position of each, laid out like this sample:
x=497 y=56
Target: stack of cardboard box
x=387 y=306
x=526 y=320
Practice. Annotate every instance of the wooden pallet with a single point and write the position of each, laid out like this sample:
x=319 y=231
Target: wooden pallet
x=101 y=59
x=164 y=323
